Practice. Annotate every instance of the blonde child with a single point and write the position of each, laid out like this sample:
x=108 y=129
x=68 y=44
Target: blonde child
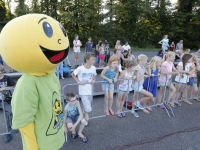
x=137 y=86
x=73 y=115
x=85 y=75
x=165 y=78
x=151 y=83
x=125 y=86
x=192 y=84
x=109 y=76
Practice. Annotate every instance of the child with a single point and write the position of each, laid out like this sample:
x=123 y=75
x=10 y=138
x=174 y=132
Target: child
x=77 y=44
x=151 y=83
x=165 y=78
x=165 y=43
x=181 y=80
x=101 y=54
x=86 y=76
x=73 y=115
x=125 y=86
x=172 y=47
x=137 y=86
x=160 y=53
x=109 y=76
x=89 y=45
x=115 y=54
x=59 y=71
x=131 y=56
x=192 y=84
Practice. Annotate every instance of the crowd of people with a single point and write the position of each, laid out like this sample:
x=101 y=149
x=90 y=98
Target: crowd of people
x=136 y=75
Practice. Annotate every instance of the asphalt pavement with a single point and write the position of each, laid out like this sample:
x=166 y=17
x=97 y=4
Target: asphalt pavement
x=156 y=131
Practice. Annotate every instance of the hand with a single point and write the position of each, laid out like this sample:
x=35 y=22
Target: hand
x=128 y=78
x=134 y=77
x=115 y=79
x=81 y=83
x=145 y=76
x=93 y=81
x=72 y=128
x=152 y=75
x=110 y=81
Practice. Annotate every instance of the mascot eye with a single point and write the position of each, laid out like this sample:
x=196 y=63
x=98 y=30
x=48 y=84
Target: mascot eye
x=63 y=30
x=47 y=29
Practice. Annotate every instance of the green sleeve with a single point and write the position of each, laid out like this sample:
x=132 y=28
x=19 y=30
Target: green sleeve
x=24 y=106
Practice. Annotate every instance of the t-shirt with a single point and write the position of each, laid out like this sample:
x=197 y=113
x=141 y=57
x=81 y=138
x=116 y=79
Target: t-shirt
x=165 y=42
x=182 y=77
x=76 y=42
x=72 y=111
x=37 y=99
x=88 y=46
x=168 y=68
x=85 y=75
x=126 y=47
x=179 y=45
x=6 y=81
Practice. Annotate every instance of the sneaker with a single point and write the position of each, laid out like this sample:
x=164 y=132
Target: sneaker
x=134 y=113
x=137 y=104
x=166 y=104
x=7 y=138
x=86 y=123
x=74 y=136
x=87 y=117
x=161 y=107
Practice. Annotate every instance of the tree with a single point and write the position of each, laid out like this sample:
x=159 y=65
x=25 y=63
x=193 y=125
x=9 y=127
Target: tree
x=3 y=19
x=21 y=8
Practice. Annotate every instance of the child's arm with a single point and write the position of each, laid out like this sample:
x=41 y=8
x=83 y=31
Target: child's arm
x=138 y=77
x=65 y=116
x=116 y=76
x=103 y=74
x=79 y=118
x=180 y=69
x=94 y=79
x=162 y=70
x=76 y=79
x=122 y=56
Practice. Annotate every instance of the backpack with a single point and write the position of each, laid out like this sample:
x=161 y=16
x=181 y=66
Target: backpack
x=129 y=105
x=66 y=71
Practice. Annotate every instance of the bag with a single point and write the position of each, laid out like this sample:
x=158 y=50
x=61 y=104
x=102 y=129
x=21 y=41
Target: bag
x=66 y=71
x=129 y=105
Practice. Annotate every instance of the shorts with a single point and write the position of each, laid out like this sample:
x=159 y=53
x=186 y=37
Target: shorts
x=136 y=89
x=179 y=82
x=72 y=119
x=107 y=86
x=86 y=100
x=123 y=92
x=192 y=81
x=77 y=51
x=161 y=83
x=101 y=56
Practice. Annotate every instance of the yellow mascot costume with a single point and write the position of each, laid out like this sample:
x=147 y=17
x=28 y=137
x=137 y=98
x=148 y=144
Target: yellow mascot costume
x=35 y=44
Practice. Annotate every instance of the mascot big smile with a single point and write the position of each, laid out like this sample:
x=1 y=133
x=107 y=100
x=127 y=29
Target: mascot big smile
x=35 y=44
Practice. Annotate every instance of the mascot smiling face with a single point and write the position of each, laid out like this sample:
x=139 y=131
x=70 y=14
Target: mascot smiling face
x=34 y=44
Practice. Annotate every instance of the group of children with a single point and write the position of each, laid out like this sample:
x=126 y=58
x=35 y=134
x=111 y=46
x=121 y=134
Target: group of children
x=138 y=75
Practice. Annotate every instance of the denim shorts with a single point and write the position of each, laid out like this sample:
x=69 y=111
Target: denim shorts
x=161 y=83
x=107 y=86
x=136 y=89
x=192 y=81
x=123 y=92
x=72 y=119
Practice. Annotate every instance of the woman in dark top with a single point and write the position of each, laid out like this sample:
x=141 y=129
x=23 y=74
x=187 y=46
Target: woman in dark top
x=124 y=57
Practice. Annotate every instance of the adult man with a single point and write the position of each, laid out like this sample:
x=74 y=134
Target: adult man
x=179 y=46
x=198 y=52
x=126 y=47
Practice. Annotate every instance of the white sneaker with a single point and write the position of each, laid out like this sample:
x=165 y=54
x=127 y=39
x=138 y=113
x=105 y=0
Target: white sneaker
x=134 y=113
x=87 y=117
x=86 y=123
x=137 y=104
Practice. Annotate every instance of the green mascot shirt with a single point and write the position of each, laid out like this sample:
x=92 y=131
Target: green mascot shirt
x=37 y=99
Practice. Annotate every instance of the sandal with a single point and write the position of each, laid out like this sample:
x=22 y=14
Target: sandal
x=196 y=99
x=123 y=114
x=112 y=112
x=188 y=102
x=62 y=78
x=173 y=105
x=119 y=115
x=146 y=111
x=177 y=103
x=149 y=108
x=85 y=140
x=107 y=113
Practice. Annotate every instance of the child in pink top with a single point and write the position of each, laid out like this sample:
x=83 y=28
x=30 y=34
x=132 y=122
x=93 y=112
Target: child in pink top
x=165 y=79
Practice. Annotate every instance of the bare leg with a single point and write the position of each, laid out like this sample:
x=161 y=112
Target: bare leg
x=160 y=94
x=119 y=100
x=69 y=125
x=122 y=102
x=110 y=102
x=82 y=125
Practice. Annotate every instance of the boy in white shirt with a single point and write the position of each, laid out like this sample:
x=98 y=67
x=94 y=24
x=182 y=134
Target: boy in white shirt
x=83 y=75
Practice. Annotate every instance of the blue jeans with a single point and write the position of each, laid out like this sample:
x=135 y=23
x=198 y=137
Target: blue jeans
x=97 y=59
x=59 y=70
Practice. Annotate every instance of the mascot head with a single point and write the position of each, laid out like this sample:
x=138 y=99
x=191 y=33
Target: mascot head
x=34 y=44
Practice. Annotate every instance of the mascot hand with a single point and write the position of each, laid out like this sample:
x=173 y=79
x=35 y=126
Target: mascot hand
x=28 y=133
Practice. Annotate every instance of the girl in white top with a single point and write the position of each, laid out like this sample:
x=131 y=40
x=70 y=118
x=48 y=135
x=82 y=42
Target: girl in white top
x=165 y=77
x=125 y=86
x=137 y=86
x=77 y=44
x=181 y=80
x=118 y=46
